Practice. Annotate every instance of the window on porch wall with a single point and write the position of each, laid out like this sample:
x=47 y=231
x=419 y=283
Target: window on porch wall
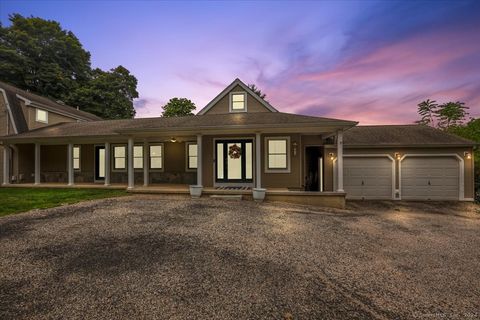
x=138 y=157
x=192 y=155
x=119 y=157
x=156 y=157
x=76 y=158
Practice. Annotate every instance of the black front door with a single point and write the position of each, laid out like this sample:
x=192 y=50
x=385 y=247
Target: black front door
x=234 y=161
x=99 y=163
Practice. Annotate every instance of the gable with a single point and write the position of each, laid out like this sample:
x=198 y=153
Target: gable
x=222 y=104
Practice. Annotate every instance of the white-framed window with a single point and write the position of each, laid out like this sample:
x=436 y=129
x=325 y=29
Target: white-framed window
x=137 y=157
x=277 y=154
x=192 y=155
x=119 y=157
x=238 y=101
x=76 y=158
x=156 y=156
x=41 y=115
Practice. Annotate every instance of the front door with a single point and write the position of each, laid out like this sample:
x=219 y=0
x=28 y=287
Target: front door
x=99 y=163
x=234 y=161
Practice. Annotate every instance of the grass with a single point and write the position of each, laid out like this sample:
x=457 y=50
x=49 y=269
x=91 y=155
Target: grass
x=15 y=200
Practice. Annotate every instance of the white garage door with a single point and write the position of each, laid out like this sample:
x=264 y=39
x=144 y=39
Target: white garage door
x=430 y=178
x=367 y=177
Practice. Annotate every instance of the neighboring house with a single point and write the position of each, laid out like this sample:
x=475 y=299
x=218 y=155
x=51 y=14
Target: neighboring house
x=237 y=142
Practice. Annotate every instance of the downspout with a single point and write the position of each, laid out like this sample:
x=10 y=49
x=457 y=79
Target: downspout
x=7 y=105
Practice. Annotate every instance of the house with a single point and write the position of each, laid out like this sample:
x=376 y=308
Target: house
x=237 y=143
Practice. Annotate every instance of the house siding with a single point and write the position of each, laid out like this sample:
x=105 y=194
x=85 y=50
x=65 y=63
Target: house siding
x=53 y=118
x=3 y=130
x=223 y=105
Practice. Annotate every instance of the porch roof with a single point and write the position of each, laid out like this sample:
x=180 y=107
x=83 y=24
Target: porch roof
x=189 y=124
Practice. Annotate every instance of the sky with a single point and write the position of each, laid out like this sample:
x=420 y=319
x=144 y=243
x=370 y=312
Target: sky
x=369 y=61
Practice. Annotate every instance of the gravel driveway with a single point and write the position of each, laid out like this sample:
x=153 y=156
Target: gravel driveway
x=162 y=258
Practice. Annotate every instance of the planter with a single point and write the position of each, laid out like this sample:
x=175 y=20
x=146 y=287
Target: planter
x=259 y=194
x=196 y=191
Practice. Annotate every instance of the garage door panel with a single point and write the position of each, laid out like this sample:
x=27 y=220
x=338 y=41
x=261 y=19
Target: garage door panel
x=368 y=177
x=430 y=178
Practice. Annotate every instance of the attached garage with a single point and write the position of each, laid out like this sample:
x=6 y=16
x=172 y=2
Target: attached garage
x=368 y=177
x=430 y=178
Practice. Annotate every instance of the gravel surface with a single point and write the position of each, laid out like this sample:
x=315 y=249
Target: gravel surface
x=155 y=257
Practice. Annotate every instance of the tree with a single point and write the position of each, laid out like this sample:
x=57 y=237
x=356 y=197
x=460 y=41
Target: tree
x=108 y=94
x=257 y=91
x=178 y=107
x=38 y=55
x=451 y=114
x=427 y=111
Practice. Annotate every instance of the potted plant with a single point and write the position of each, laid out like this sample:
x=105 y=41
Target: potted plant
x=196 y=191
x=259 y=194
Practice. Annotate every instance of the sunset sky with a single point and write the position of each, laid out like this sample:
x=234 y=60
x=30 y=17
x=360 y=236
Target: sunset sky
x=361 y=60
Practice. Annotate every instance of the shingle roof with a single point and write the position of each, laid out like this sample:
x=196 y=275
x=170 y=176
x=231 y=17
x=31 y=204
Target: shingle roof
x=401 y=135
x=235 y=120
x=62 y=108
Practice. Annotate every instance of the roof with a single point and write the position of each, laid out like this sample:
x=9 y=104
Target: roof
x=228 y=89
x=188 y=123
x=401 y=135
x=14 y=93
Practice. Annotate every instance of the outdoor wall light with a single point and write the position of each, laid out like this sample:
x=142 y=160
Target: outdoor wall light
x=331 y=155
x=173 y=139
x=467 y=155
x=398 y=156
x=294 y=148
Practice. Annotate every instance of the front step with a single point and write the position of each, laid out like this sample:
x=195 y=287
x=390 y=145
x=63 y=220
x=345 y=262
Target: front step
x=237 y=197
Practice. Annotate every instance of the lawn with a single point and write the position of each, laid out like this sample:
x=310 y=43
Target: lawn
x=15 y=200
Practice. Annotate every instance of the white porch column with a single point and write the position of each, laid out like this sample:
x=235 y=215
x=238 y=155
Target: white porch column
x=131 y=177
x=6 y=165
x=340 y=161
x=199 y=160
x=70 y=164
x=107 y=163
x=146 y=157
x=37 y=163
x=258 y=160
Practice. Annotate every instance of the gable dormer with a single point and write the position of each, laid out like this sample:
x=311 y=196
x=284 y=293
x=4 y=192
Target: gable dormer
x=237 y=98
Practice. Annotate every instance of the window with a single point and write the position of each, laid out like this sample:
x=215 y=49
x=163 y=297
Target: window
x=41 y=115
x=76 y=158
x=119 y=157
x=156 y=157
x=138 y=157
x=277 y=154
x=238 y=102
x=192 y=156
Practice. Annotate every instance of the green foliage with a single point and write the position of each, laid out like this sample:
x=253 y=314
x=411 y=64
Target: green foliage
x=178 y=107
x=470 y=131
x=427 y=111
x=451 y=114
x=257 y=91
x=38 y=55
x=14 y=200
x=108 y=94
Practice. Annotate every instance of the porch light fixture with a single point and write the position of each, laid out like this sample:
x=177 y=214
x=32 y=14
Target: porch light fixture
x=398 y=156
x=331 y=155
x=173 y=139
x=467 y=155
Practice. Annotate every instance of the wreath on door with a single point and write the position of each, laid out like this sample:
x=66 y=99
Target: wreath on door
x=234 y=152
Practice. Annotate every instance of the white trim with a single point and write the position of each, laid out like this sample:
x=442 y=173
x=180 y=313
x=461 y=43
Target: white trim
x=187 y=156
x=146 y=165
x=130 y=170
x=258 y=160
x=108 y=151
x=230 y=102
x=104 y=180
x=37 y=163
x=461 y=166
x=340 y=161
x=7 y=105
x=71 y=179
x=289 y=156
x=199 y=160
x=228 y=89
x=377 y=155
x=6 y=165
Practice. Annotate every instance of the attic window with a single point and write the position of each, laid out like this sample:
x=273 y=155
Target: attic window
x=41 y=115
x=238 y=102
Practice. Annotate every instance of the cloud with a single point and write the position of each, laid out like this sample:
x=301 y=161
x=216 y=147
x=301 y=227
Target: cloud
x=148 y=107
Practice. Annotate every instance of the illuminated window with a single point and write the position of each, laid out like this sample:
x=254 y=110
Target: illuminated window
x=156 y=157
x=277 y=154
x=76 y=158
x=138 y=157
x=119 y=157
x=192 y=156
x=41 y=115
x=238 y=102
